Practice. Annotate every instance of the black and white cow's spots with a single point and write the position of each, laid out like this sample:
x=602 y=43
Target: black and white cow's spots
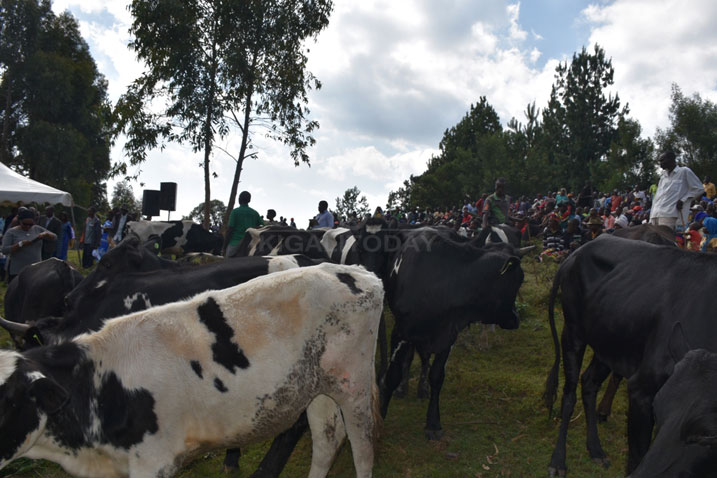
x=224 y=351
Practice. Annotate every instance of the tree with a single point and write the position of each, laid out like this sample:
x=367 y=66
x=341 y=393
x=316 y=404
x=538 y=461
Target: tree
x=217 y=210
x=56 y=117
x=692 y=133
x=123 y=196
x=351 y=206
x=220 y=61
x=580 y=121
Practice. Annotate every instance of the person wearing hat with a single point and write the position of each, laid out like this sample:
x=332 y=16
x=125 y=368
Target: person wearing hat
x=23 y=243
x=678 y=185
x=595 y=225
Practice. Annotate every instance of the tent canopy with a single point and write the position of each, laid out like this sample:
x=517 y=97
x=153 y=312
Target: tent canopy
x=15 y=187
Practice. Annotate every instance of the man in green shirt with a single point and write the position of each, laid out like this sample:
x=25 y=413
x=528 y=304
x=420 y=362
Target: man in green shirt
x=495 y=207
x=241 y=219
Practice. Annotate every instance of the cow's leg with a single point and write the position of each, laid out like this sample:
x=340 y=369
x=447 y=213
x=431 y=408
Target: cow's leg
x=402 y=388
x=436 y=376
x=640 y=421
x=399 y=350
x=573 y=351
x=605 y=407
x=327 y=434
x=382 y=346
x=423 y=390
x=275 y=459
x=231 y=460
x=592 y=378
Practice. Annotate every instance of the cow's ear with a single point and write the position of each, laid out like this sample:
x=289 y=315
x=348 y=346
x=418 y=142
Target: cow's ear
x=48 y=395
x=509 y=263
x=678 y=344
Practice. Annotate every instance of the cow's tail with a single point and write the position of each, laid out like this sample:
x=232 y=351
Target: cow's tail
x=551 y=384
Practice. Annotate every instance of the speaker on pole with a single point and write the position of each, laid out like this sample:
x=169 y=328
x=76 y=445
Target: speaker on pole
x=168 y=196
x=150 y=202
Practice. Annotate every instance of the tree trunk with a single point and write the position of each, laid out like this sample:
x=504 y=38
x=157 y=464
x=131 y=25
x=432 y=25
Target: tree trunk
x=208 y=136
x=240 y=159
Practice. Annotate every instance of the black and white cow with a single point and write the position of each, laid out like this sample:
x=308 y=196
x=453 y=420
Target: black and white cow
x=627 y=321
x=282 y=240
x=177 y=237
x=436 y=286
x=105 y=403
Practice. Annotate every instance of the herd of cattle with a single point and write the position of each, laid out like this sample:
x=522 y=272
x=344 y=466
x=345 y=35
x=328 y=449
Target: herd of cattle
x=288 y=333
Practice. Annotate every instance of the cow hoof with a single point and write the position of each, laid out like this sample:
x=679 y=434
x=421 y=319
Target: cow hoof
x=434 y=435
x=601 y=418
x=604 y=462
x=260 y=473
x=555 y=473
x=230 y=470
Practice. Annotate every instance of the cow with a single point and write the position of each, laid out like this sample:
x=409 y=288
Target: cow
x=281 y=240
x=39 y=290
x=622 y=298
x=686 y=441
x=177 y=237
x=660 y=235
x=105 y=403
x=436 y=286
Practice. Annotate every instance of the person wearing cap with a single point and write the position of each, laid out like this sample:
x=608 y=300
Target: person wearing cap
x=240 y=219
x=23 y=243
x=678 y=185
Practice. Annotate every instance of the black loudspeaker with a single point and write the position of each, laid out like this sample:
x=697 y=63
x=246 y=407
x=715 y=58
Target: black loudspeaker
x=167 y=196
x=150 y=202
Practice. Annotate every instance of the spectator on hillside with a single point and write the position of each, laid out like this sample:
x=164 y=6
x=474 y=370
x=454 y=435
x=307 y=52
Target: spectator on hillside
x=677 y=187
x=710 y=190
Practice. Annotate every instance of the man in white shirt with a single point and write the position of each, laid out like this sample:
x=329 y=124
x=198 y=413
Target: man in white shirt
x=677 y=187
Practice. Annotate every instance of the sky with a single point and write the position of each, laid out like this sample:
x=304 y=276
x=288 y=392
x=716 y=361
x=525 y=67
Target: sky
x=397 y=73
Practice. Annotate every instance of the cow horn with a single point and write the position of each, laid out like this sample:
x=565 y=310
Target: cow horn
x=14 y=326
x=524 y=250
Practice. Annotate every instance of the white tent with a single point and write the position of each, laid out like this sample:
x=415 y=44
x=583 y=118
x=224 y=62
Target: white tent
x=15 y=187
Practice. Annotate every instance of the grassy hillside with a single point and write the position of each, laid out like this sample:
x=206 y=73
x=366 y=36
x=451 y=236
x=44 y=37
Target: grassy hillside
x=495 y=424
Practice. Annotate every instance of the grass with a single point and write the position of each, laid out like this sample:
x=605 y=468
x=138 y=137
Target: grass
x=494 y=420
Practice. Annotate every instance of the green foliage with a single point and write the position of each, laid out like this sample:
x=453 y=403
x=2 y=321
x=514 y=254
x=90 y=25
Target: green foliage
x=584 y=135
x=351 y=205
x=692 y=132
x=580 y=122
x=217 y=211
x=123 y=196
x=218 y=64
x=56 y=118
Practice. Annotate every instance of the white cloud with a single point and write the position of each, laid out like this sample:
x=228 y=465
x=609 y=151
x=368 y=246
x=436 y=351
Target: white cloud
x=655 y=44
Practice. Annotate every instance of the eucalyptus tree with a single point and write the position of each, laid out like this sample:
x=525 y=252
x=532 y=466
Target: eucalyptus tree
x=216 y=65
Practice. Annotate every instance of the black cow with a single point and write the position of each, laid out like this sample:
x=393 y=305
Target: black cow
x=436 y=286
x=660 y=235
x=686 y=417
x=39 y=290
x=177 y=237
x=622 y=298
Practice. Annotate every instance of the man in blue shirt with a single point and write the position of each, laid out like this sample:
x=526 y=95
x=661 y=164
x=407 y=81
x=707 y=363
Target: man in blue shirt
x=324 y=218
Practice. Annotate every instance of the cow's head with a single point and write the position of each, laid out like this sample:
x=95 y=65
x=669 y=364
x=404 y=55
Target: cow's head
x=375 y=243
x=27 y=397
x=505 y=276
x=686 y=417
